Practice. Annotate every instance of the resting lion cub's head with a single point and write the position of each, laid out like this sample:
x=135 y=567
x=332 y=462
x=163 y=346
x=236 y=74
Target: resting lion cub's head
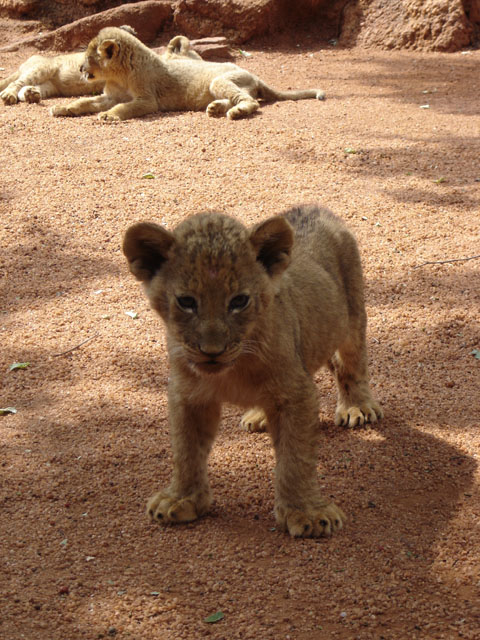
x=100 y=55
x=210 y=282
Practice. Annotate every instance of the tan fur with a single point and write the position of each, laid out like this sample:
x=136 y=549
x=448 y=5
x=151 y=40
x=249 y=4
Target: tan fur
x=250 y=315
x=180 y=47
x=139 y=82
x=42 y=77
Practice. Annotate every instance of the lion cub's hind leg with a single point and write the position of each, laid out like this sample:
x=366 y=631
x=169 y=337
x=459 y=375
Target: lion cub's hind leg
x=254 y=421
x=37 y=92
x=30 y=94
x=218 y=108
x=29 y=83
x=231 y=98
x=355 y=406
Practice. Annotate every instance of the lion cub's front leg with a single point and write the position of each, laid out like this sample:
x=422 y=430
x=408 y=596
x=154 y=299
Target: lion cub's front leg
x=165 y=506
x=133 y=109
x=300 y=509
x=193 y=429
x=83 y=106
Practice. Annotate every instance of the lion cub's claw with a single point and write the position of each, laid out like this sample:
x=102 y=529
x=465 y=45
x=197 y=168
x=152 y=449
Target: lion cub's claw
x=163 y=508
x=242 y=109
x=313 y=523
x=217 y=108
x=8 y=97
x=254 y=421
x=106 y=116
x=58 y=111
x=30 y=94
x=367 y=413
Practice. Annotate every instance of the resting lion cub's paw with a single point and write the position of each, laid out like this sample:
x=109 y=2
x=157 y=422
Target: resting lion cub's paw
x=8 y=97
x=30 y=94
x=106 y=116
x=59 y=110
x=312 y=522
x=218 y=108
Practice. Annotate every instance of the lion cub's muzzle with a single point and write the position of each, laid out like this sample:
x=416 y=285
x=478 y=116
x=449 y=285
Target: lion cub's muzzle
x=212 y=359
x=86 y=72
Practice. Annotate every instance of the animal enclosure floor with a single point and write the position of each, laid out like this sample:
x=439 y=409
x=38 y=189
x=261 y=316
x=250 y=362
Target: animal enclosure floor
x=394 y=150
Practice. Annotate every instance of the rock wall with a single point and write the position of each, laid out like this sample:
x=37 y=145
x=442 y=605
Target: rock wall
x=435 y=25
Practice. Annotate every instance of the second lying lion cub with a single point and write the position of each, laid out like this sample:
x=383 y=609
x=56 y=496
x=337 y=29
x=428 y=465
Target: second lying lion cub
x=250 y=315
x=139 y=82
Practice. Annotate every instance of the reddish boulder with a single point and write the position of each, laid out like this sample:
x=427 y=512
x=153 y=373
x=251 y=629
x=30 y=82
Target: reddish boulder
x=238 y=20
x=17 y=8
x=147 y=18
x=435 y=25
x=208 y=48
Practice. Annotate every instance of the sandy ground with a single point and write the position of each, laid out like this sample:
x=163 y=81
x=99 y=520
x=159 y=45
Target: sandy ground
x=89 y=440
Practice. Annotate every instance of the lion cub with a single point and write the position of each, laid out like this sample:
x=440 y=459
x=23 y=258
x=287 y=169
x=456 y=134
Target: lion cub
x=42 y=77
x=139 y=82
x=251 y=314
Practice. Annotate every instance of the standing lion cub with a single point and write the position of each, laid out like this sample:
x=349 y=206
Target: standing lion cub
x=139 y=82
x=251 y=314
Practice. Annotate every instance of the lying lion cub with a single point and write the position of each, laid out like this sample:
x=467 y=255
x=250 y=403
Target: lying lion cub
x=139 y=82
x=42 y=77
x=250 y=315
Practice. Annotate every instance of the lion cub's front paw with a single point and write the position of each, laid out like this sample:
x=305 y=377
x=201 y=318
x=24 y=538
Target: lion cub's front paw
x=9 y=97
x=106 y=116
x=254 y=421
x=368 y=412
x=163 y=507
x=312 y=522
x=60 y=111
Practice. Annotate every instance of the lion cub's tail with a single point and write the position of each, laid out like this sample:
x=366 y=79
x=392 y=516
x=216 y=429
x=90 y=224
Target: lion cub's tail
x=269 y=94
x=6 y=81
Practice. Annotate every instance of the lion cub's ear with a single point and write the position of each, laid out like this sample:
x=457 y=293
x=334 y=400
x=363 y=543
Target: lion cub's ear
x=146 y=246
x=273 y=241
x=108 y=49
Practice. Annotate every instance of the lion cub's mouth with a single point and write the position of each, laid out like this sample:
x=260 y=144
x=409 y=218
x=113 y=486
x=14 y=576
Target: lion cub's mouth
x=211 y=366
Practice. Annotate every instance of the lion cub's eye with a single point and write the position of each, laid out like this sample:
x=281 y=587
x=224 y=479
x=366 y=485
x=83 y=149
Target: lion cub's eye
x=238 y=303
x=187 y=303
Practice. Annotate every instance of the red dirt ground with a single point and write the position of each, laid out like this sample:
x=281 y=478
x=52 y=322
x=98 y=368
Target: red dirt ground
x=89 y=442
